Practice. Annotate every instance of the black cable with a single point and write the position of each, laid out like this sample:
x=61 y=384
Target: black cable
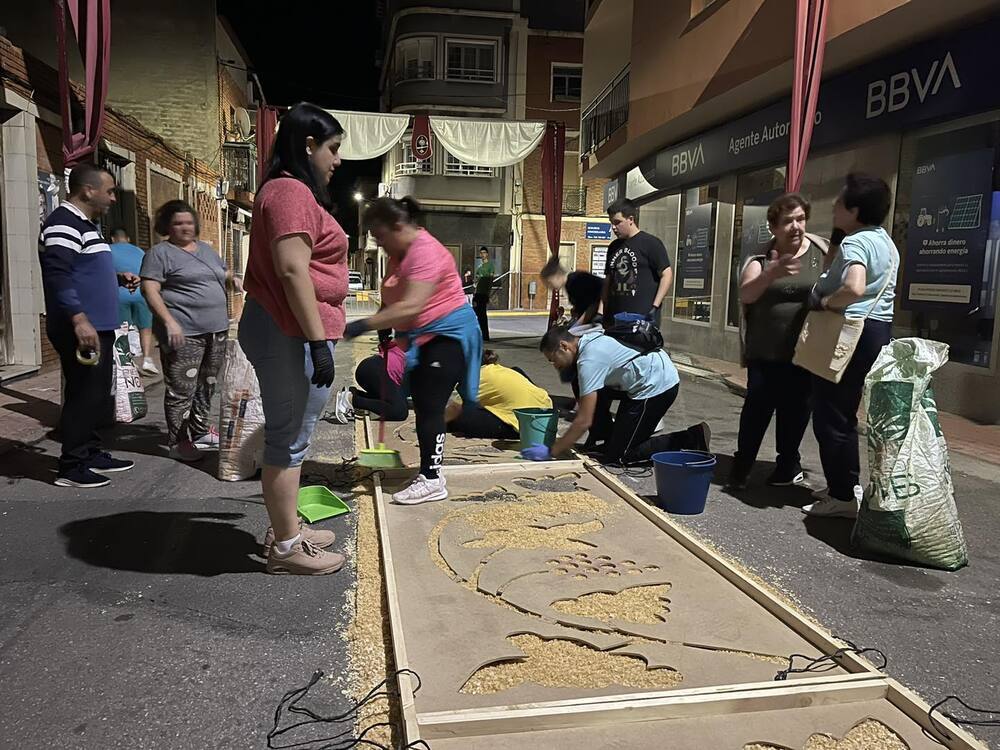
x=826 y=662
x=994 y=722
x=343 y=740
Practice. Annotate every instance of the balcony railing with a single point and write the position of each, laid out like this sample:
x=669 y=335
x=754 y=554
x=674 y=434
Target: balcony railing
x=414 y=166
x=240 y=160
x=606 y=115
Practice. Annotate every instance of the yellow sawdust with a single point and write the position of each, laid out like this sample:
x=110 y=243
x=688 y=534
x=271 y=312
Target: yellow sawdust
x=535 y=510
x=555 y=538
x=641 y=604
x=870 y=734
x=565 y=664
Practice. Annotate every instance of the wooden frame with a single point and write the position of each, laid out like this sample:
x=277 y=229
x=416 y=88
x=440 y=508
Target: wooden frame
x=863 y=683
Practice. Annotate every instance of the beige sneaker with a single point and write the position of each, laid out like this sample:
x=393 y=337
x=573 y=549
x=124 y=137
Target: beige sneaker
x=316 y=537
x=305 y=560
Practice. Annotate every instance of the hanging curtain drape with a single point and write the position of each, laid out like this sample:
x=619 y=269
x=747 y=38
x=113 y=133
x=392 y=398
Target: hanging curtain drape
x=368 y=135
x=553 y=160
x=487 y=143
x=810 y=43
x=92 y=28
x=267 y=122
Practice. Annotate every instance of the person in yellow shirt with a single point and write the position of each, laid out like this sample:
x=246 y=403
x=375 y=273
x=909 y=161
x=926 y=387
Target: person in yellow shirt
x=501 y=390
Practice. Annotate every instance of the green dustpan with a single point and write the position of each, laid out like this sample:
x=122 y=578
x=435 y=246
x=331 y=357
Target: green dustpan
x=317 y=503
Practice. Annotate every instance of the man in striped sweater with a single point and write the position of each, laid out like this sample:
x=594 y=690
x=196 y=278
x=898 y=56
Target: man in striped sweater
x=81 y=306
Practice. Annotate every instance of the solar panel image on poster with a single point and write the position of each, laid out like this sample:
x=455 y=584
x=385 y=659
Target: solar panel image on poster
x=968 y=212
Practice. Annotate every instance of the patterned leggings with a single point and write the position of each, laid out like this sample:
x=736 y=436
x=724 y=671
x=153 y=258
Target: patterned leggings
x=189 y=374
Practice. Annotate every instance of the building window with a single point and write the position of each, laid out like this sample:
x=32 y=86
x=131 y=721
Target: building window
x=455 y=167
x=471 y=61
x=408 y=164
x=566 y=80
x=693 y=270
x=414 y=58
x=122 y=212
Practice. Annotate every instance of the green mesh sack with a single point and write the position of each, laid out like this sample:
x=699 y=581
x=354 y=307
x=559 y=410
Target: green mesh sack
x=908 y=509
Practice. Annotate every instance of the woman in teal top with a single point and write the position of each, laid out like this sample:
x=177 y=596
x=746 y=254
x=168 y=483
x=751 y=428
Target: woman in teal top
x=860 y=282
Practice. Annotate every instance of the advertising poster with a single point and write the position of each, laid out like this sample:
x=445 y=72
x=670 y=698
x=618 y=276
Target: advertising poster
x=949 y=226
x=694 y=254
x=598 y=259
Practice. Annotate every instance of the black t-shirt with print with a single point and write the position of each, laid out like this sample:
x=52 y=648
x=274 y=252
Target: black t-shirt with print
x=634 y=267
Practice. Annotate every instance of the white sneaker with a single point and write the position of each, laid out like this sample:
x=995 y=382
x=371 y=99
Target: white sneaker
x=423 y=490
x=148 y=367
x=830 y=507
x=343 y=410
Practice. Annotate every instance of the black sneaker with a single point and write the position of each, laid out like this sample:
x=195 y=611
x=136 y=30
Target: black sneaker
x=737 y=480
x=104 y=463
x=80 y=476
x=786 y=477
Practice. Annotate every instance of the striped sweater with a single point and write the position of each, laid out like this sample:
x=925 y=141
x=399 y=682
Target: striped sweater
x=78 y=272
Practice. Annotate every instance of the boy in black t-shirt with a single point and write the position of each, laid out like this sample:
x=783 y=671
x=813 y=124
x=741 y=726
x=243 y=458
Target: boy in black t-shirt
x=583 y=290
x=638 y=273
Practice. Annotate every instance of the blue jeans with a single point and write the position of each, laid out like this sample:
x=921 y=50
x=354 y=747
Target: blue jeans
x=292 y=404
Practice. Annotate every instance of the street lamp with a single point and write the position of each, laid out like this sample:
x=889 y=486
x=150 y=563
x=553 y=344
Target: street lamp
x=359 y=197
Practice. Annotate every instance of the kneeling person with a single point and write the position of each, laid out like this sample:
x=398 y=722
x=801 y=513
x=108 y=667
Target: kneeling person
x=649 y=382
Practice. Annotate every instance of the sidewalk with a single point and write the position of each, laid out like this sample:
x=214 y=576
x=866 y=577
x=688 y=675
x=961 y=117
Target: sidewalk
x=964 y=436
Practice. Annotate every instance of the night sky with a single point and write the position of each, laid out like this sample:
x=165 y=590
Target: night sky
x=323 y=52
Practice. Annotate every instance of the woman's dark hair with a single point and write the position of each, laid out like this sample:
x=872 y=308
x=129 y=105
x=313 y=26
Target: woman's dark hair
x=165 y=215
x=490 y=357
x=787 y=203
x=388 y=212
x=289 y=153
x=869 y=194
x=551 y=268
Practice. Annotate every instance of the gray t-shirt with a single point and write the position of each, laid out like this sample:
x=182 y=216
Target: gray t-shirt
x=193 y=287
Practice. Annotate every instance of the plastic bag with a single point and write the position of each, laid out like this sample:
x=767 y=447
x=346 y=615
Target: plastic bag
x=130 y=395
x=241 y=422
x=909 y=506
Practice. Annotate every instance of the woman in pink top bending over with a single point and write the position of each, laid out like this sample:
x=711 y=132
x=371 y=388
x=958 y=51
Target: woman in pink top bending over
x=296 y=282
x=423 y=301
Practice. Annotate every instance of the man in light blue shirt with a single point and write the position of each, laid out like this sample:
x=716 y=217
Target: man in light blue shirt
x=132 y=307
x=648 y=384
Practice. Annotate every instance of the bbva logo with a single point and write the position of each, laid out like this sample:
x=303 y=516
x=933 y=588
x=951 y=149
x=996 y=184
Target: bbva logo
x=895 y=94
x=684 y=161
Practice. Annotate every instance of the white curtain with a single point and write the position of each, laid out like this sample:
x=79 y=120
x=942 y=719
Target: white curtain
x=368 y=135
x=487 y=143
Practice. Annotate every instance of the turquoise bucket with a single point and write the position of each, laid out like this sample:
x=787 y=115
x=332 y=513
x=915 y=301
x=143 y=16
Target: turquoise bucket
x=537 y=426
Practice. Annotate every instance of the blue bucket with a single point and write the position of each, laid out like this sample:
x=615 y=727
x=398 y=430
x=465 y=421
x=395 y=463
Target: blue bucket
x=627 y=318
x=682 y=480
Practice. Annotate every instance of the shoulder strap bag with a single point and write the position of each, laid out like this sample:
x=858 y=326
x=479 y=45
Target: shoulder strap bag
x=828 y=339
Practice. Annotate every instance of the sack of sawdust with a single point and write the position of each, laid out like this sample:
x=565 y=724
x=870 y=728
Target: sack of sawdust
x=241 y=422
x=908 y=509
x=129 y=393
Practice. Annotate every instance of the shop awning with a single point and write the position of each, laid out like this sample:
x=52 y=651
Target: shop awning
x=368 y=135
x=487 y=143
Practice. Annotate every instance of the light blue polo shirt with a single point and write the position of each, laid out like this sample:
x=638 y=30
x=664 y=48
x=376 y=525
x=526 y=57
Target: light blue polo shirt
x=603 y=361
x=873 y=248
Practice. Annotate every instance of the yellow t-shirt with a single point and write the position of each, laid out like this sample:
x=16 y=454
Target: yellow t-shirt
x=501 y=390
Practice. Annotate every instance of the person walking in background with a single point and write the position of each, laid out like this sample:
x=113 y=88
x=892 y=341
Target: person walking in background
x=296 y=284
x=638 y=273
x=485 y=275
x=860 y=282
x=583 y=289
x=774 y=290
x=424 y=302
x=184 y=282
x=81 y=307
x=501 y=391
x=132 y=307
x=381 y=385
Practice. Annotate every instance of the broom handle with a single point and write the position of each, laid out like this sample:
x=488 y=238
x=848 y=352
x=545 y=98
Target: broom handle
x=385 y=389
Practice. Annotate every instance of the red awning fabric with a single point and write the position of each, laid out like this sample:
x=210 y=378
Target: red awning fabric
x=553 y=159
x=92 y=28
x=810 y=44
x=267 y=123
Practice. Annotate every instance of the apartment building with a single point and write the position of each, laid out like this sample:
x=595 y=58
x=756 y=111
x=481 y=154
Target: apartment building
x=686 y=111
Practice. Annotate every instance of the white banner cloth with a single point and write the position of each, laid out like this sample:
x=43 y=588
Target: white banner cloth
x=368 y=135
x=487 y=143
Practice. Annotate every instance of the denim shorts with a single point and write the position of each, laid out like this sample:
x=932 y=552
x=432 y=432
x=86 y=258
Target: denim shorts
x=292 y=404
x=136 y=312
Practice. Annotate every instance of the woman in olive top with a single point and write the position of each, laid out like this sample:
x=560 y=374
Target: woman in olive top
x=774 y=289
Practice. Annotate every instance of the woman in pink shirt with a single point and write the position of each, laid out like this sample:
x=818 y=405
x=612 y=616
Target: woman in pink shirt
x=423 y=300
x=296 y=283
x=381 y=388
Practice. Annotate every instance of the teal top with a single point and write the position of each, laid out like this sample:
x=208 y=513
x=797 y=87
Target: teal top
x=603 y=361
x=873 y=248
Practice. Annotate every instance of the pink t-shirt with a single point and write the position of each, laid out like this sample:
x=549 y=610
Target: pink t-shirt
x=426 y=260
x=286 y=206
x=395 y=363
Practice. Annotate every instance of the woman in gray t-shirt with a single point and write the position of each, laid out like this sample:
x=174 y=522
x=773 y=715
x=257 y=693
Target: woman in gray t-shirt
x=185 y=283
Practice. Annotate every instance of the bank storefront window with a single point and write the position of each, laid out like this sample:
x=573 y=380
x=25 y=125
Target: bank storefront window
x=661 y=218
x=695 y=254
x=947 y=226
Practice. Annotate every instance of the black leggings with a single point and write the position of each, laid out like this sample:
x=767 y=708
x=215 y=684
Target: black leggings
x=440 y=365
x=377 y=393
x=478 y=422
x=632 y=429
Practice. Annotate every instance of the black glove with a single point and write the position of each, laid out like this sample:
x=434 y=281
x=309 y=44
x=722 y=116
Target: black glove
x=384 y=336
x=322 y=358
x=815 y=300
x=653 y=312
x=356 y=328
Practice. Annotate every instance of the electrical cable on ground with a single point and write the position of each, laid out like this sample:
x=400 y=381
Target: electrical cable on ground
x=826 y=662
x=937 y=707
